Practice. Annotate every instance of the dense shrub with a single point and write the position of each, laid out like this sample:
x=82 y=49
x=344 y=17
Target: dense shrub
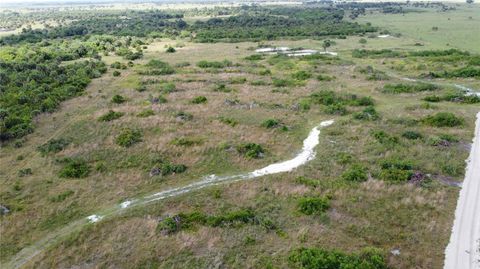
x=408 y=88
x=313 y=205
x=111 y=115
x=278 y=82
x=116 y=73
x=395 y=170
x=254 y=57
x=221 y=87
x=250 y=150
x=362 y=53
x=118 y=99
x=324 y=78
x=237 y=80
x=199 y=100
x=356 y=173
x=128 y=137
x=53 y=146
x=319 y=258
x=443 y=119
x=301 y=75
x=214 y=64
x=118 y=65
x=170 y=50
x=369 y=113
x=157 y=67
x=270 y=123
x=412 y=135
x=184 y=221
x=384 y=138
x=25 y=172
x=336 y=109
x=74 y=168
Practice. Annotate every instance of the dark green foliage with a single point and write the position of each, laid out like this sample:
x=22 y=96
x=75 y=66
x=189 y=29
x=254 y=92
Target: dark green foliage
x=325 y=98
x=168 y=87
x=222 y=88
x=157 y=68
x=336 y=109
x=369 y=113
x=384 y=138
x=319 y=258
x=237 y=80
x=463 y=72
x=116 y=73
x=199 y=100
x=270 y=123
x=457 y=97
x=74 y=168
x=30 y=86
x=432 y=98
x=313 y=205
x=308 y=181
x=443 y=119
x=170 y=50
x=258 y=23
x=356 y=173
x=412 y=135
x=228 y=121
x=250 y=150
x=439 y=53
x=362 y=53
x=118 y=99
x=185 y=221
x=53 y=146
x=25 y=172
x=133 y=23
x=301 y=75
x=324 y=78
x=214 y=64
x=146 y=113
x=408 y=88
x=373 y=74
x=62 y=196
x=184 y=116
x=254 y=57
x=111 y=115
x=128 y=137
x=395 y=170
x=118 y=65
x=277 y=82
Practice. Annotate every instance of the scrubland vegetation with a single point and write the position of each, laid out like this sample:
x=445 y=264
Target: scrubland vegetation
x=100 y=109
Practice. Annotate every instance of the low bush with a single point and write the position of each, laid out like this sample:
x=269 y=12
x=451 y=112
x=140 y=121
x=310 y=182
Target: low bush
x=116 y=73
x=170 y=50
x=157 y=67
x=199 y=100
x=222 y=88
x=254 y=57
x=356 y=173
x=250 y=150
x=308 y=181
x=228 y=121
x=270 y=123
x=369 y=113
x=384 y=138
x=25 y=172
x=319 y=258
x=186 y=141
x=184 y=116
x=214 y=64
x=336 y=109
x=74 y=168
x=396 y=170
x=237 y=80
x=53 y=146
x=118 y=99
x=128 y=137
x=408 y=88
x=412 y=135
x=301 y=75
x=111 y=115
x=277 y=82
x=62 y=196
x=443 y=119
x=313 y=205
x=146 y=113
x=324 y=78
x=168 y=87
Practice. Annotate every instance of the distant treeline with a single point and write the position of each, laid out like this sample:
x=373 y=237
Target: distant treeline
x=248 y=23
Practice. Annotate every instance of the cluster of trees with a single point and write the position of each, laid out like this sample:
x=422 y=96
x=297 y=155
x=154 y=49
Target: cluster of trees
x=138 y=23
x=34 y=82
x=279 y=22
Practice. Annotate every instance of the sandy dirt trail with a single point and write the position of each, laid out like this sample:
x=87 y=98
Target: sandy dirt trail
x=305 y=155
x=463 y=250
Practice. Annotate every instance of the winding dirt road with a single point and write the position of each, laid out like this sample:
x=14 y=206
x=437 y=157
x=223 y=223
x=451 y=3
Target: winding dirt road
x=306 y=154
x=463 y=251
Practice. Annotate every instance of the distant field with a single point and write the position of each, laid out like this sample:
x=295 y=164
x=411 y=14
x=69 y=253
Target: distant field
x=456 y=29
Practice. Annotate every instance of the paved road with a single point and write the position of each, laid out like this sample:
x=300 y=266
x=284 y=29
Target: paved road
x=463 y=251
